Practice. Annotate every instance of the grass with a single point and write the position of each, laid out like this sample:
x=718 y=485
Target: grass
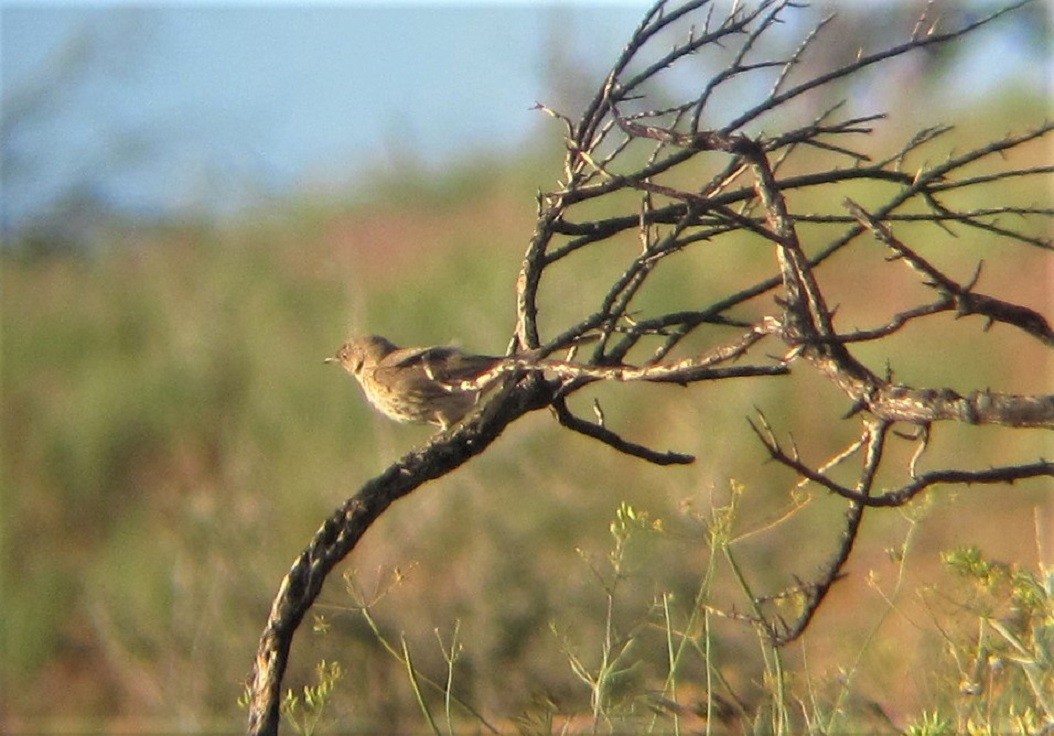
x=171 y=439
x=661 y=665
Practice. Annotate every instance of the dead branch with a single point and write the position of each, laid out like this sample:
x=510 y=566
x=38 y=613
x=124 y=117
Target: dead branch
x=961 y=298
x=343 y=530
x=699 y=174
x=605 y=435
x=919 y=482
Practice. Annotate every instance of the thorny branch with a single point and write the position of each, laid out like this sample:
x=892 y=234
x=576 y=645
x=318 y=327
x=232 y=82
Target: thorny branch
x=918 y=483
x=953 y=295
x=747 y=199
x=675 y=182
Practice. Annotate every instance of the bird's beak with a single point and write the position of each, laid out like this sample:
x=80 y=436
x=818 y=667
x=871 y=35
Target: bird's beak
x=332 y=359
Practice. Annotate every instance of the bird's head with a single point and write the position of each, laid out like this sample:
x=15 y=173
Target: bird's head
x=361 y=351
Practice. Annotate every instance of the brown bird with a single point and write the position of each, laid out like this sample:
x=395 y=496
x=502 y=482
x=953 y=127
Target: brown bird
x=417 y=384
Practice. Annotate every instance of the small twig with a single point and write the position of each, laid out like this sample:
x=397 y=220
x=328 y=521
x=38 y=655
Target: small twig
x=601 y=433
x=837 y=460
x=924 y=443
x=965 y=300
x=903 y=494
x=687 y=370
x=682 y=372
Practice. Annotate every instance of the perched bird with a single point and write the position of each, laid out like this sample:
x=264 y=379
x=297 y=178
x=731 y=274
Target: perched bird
x=417 y=384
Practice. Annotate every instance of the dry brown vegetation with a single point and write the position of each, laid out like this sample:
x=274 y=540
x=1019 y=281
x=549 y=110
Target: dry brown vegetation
x=171 y=438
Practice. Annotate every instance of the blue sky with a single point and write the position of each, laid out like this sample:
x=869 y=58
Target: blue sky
x=208 y=106
x=279 y=95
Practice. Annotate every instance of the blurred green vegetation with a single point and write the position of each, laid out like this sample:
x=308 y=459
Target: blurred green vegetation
x=171 y=439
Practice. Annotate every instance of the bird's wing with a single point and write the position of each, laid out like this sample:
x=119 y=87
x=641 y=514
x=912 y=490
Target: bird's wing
x=446 y=364
x=418 y=356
